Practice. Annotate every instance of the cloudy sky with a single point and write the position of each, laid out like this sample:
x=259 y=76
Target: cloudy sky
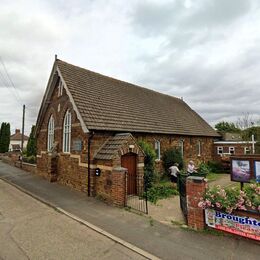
x=206 y=51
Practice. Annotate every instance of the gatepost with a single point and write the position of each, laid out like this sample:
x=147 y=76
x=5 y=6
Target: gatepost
x=195 y=188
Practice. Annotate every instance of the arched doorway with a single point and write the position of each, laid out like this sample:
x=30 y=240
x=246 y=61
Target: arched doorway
x=129 y=161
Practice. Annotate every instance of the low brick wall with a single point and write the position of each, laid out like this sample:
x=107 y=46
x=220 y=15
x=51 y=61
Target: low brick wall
x=195 y=188
x=12 y=160
x=28 y=167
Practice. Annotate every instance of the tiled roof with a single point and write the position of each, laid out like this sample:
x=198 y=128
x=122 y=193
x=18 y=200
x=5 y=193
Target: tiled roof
x=111 y=147
x=18 y=137
x=109 y=104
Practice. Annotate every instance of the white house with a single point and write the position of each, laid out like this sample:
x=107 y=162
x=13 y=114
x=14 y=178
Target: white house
x=16 y=141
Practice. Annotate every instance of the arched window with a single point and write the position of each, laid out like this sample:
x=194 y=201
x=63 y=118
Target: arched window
x=67 y=132
x=50 y=142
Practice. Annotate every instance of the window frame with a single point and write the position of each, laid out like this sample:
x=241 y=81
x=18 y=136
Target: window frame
x=51 y=133
x=181 y=145
x=66 y=141
x=157 y=148
x=220 y=148
x=231 y=148
x=199 y=147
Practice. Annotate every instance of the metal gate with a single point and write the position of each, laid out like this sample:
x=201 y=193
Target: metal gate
x=136 y=197
x=182 y=191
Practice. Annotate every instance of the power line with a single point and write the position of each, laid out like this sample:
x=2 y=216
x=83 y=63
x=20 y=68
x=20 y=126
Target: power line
x=8 y=83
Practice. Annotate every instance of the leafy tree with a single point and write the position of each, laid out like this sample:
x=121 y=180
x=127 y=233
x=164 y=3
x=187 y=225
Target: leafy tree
x=31 y=146
x=149 y=163
x=4 y=137
x=224 y=127
x=171 y=156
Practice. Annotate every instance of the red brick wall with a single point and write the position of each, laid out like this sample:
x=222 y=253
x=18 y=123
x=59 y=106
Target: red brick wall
x=190 y=146
x=239 y=149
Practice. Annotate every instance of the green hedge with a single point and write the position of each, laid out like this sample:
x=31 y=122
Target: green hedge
x=161 y=191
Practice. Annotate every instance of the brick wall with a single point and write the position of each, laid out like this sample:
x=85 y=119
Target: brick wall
x=190 y=146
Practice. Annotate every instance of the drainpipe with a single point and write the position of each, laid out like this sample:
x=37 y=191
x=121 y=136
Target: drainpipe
x=91 y=134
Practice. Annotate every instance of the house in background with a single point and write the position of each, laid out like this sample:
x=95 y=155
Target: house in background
x=232 y=144
x=16 y=141
x=89 y=125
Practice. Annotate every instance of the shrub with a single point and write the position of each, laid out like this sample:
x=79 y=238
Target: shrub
x=215 y=167
x=149 y=163
x=203 y=169
x=30 y=159
x=171 y=156
x=229 y=199
x=161 y=191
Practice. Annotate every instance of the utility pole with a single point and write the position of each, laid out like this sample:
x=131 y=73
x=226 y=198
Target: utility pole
x=23 y=128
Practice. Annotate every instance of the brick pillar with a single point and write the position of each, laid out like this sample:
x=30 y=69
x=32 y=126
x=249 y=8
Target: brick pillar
x=52 y=167
x=195 y=188
x=118 y=191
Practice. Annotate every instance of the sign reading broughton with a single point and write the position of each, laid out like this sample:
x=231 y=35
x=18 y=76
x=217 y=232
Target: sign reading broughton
x=242 y=226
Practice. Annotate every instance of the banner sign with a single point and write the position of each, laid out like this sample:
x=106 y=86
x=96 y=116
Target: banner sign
x=239 y=225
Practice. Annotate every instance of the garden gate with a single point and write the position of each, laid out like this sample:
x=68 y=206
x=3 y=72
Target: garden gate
x=136 y=197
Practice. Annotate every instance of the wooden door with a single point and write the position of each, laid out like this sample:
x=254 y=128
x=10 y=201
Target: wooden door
x=129 y=161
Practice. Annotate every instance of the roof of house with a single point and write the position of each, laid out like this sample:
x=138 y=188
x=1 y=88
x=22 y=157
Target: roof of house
x=105 y=103
x=111 y=147
x=18 y=137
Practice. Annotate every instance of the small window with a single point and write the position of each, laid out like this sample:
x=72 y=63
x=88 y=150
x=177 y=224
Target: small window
x=60 y=89
x=220 y=150
x=67 y=132
x=181 y=145
x=246 y=150
x=157 y=147
x=232 y=150
x=50 y=142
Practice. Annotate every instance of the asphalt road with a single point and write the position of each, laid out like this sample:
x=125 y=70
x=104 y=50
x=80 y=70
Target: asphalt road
x=163 y=241
x=31 y=230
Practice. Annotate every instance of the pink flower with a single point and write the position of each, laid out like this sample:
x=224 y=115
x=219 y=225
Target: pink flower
x=208 y=203
x=218 y=205
x=242 y=207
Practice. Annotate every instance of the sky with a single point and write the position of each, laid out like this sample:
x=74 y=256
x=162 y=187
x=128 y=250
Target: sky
x=205 y=51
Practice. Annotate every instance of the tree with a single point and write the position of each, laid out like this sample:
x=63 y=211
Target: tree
x=170 y=157
x=245 y=121
x=31 y=146
x=226 y=127
x=149 y=163
x=4 y=137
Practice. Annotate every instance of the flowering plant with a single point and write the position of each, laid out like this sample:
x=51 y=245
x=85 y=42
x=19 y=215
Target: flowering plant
x=229 y=199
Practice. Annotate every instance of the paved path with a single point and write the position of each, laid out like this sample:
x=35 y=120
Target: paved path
x=167 y=211
x=223 y=181
x=31 y=230
x=158 y=239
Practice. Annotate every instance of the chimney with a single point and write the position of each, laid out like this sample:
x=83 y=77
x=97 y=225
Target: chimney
x=17 y=131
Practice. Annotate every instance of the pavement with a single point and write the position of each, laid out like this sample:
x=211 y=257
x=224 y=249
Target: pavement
x=142 y=232
x=31 y=230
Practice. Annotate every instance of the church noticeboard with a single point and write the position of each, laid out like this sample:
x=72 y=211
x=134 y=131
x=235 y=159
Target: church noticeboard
x=245 y=168
x=77 y=145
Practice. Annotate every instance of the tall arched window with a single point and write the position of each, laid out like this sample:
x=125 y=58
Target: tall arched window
x=67 y=132
x=50 y=142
